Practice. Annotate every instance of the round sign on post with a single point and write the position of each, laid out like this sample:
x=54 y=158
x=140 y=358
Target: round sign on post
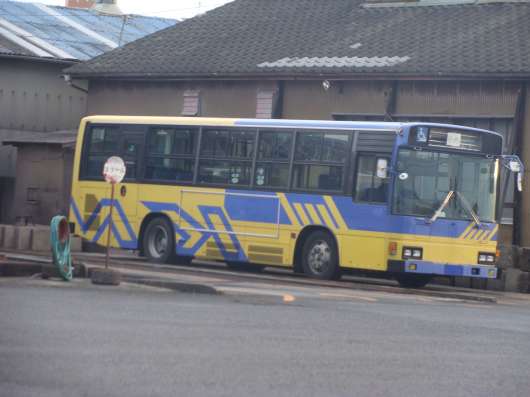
x=114 y=172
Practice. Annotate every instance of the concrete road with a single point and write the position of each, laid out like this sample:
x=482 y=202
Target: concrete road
x=59 y=339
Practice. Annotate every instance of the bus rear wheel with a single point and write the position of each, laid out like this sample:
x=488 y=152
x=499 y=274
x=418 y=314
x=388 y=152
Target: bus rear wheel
x=413 y=280
x=320 y=256
x=159 y=241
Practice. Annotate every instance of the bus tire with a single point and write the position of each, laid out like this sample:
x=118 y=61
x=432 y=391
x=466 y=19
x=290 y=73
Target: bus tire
x=181 y=260
x=159 y=241
x=413 y=280
x=320 y=257
x=245 y=267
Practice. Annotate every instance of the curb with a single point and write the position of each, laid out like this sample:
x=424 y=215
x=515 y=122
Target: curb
x=29 y=266
x=190 y=288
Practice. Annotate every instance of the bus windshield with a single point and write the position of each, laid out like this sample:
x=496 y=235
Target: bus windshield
x=425 y=178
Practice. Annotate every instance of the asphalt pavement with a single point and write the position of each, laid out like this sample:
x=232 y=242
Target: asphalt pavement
x=75 y=339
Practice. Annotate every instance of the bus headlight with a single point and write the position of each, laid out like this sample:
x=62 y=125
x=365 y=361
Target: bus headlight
x=412 y=252
x=486 y=258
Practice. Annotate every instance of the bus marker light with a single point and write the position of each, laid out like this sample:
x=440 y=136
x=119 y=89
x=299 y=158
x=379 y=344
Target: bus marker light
x=412 y=267
x=392 y=248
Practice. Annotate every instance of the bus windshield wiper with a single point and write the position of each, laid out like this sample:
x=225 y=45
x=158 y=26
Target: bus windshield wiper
x=469 y=209
x=440 y=209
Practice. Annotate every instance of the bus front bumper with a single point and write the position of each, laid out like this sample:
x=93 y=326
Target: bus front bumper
x=443 y=269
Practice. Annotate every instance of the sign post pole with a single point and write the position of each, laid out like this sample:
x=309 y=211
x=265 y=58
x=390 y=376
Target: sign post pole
x=112 y=185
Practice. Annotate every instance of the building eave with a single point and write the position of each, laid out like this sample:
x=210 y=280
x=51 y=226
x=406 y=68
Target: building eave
x=302 y=76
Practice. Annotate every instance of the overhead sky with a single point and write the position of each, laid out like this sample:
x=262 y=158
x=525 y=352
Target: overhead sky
x=160 y=8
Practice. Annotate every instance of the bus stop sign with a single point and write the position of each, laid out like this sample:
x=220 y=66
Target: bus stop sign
x=114 y=170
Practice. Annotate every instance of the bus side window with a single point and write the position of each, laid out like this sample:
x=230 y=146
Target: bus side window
x=171 y=154
x=102 y=142
x=370 y=188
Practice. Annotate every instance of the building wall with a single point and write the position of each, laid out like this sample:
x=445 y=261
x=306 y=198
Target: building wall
x=218 y=99
x=34 y=97
x=42 y=187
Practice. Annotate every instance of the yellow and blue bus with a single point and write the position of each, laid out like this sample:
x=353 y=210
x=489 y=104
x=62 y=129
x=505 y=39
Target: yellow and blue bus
x=412 y=199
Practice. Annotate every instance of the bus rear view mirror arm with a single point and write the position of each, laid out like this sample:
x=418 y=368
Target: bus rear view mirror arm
x=515 y=165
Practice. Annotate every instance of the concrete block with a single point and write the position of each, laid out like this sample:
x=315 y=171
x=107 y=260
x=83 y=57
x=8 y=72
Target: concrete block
x=23 y=238
x=523 y=262
x=41 y=239
x=462 y=282
x=76 y=244
x=495 y=284
x=510 y=256
x=10 y=236
x=515 y=280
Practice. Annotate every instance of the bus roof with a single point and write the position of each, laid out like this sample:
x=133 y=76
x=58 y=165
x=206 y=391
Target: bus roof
x=274 y=123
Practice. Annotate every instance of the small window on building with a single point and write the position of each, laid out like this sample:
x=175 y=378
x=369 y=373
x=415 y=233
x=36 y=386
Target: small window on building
x=265 y=103
x=192 y=103
x=369 y=187
x=170 y=154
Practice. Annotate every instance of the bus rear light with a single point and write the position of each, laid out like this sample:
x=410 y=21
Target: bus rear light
x=412 y=267
x=392 y=248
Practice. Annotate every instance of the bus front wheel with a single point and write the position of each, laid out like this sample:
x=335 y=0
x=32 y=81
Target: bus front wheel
x=320 y=256
x=159 y=241
x=413 y=280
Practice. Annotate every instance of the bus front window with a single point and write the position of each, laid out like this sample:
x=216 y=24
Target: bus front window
x=425 y=178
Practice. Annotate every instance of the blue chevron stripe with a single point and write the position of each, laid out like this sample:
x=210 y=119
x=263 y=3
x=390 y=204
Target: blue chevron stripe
x=206 y=212
x=131 y=243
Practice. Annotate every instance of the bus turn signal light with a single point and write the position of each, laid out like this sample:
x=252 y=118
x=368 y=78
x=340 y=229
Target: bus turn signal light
x=392 y=248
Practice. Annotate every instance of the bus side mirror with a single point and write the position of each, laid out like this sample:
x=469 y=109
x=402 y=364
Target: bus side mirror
x=515 y=165
x=382 y=168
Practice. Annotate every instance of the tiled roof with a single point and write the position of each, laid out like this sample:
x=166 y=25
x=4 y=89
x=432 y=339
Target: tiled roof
x=69 y=33
x=336 y=37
